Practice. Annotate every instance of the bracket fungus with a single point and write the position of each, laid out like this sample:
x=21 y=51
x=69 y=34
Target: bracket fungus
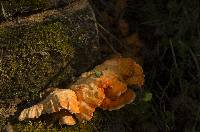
x=106 y=87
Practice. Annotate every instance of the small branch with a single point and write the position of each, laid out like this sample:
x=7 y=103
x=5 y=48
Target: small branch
x=3 y=11
x=173 y=54
x=112 y=48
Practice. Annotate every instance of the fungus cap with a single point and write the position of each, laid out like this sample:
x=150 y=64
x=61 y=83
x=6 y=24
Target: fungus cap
x=114 y=104
x=54 y=102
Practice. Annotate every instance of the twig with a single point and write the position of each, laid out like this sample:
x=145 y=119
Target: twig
x=3 y=11
x=176 y=65
x=106 y=40
x=108 y=32
x=173 y=53
x=194 y=58
x=113 y=36
x=1 y=56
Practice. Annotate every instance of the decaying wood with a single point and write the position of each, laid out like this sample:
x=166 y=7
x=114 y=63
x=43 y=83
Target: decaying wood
x=106 y=86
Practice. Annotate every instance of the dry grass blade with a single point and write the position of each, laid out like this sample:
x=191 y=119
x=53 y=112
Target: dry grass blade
x=109 y=44
x=173 y=53
x=3 y=11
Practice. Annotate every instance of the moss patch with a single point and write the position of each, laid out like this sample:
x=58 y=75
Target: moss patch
x=8 y=8
x=40 y=51
x=102 y=121
x=46 y=53
x=35 y=53
x=14 y=7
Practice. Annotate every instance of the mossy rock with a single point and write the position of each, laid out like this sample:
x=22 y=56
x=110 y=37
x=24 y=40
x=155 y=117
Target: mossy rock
x=13 y=7
x=45 y=50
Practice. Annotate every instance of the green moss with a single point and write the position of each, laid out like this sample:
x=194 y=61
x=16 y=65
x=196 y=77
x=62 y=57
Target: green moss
x=9 y=8
x=19 y=6
x=35 y=53
x=2 y=122
x=44 y=53
x=91 y=126
x=139 y=114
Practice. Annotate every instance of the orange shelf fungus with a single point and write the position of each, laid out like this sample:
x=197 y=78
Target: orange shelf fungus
x=117 y=103
x=106 y=87
x=56 y=101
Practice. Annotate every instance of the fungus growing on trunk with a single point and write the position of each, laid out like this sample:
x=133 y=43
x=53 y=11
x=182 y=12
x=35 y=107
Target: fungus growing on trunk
x=106 y=86
x=57 y=100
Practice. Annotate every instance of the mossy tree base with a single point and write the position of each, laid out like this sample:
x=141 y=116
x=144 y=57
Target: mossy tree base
x=10 y=8
x=46 y=49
